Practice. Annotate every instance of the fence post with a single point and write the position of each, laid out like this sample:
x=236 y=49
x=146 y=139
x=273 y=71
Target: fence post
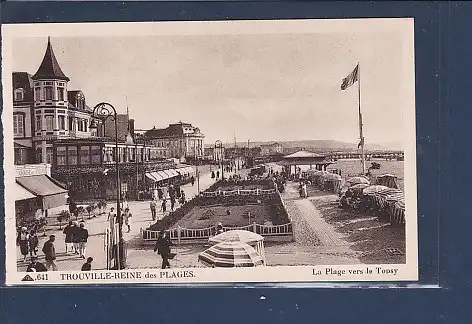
x=178 y=234
x=254 y=227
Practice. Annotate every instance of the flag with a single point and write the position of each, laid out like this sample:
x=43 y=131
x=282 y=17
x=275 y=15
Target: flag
x=361 y=143
x=351 y=78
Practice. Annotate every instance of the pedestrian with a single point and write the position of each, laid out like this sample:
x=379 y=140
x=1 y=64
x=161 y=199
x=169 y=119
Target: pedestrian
x=111 y=214
x=192 y=180
x=163 y=248
x=22 y=241
x=36 y=266
x=126 y=217
x=73 y=210
x=153 y=207
x=124 y=204
x=33 y=242
x=182 y=197
x=50 y=253
x=75 y=236
x=164 y=206
x=172 y=203
x=217 y=175
x=68 y=232
x=213 y=174
x=83 y=238
x=87 y=266
x=305 y=192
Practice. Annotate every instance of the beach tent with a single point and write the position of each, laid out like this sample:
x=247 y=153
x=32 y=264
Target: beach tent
x=230 y=255
x=357 y=180
x=399 y=212
x=387 y=180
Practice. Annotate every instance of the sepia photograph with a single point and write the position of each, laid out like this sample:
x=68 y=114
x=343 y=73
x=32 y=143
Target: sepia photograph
x=210 y=152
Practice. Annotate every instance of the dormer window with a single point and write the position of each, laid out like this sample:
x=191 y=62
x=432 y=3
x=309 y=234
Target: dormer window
x=19 y=94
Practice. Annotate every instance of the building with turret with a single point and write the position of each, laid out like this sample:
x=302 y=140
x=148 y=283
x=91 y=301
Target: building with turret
x=55 y=126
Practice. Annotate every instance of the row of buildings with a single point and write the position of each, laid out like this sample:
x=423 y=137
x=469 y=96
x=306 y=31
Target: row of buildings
x=62 y=147
x=59 y=144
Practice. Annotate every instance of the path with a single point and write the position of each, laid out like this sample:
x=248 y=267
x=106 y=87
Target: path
x=97 y=226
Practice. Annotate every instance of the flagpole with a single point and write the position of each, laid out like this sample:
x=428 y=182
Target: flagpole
x=360 y=118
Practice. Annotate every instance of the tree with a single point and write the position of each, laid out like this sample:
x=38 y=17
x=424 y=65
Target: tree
x=64 y=216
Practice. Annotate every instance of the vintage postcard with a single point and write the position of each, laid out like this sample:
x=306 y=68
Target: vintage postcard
x=210 y=152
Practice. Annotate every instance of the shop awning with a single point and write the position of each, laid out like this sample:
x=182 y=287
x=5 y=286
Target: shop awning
x=163 y=175
x=41 y=185
x=22 y=194
x=150 y=176
x=182 y=171
x=167 y=173
x=173 y=172
x=154 y=176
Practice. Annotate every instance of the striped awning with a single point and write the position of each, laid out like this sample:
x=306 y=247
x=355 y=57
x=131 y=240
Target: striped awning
x=154 y=176
x=173 y=172
x=230 y=255
x=150 y=176
x=163 y=175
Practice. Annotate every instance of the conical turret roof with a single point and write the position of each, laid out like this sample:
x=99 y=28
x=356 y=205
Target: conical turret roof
x=49 y=68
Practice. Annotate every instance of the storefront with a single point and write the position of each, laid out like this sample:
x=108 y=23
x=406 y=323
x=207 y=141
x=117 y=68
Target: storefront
x=36 y=192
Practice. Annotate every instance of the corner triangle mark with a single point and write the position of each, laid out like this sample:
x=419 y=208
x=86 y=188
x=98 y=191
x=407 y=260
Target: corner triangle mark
x=27 y=278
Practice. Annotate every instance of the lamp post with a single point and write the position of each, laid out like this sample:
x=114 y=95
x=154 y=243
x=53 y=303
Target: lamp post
x=219 y=144
x=103 y=111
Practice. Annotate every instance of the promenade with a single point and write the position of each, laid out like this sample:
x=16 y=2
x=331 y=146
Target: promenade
x=97 y=225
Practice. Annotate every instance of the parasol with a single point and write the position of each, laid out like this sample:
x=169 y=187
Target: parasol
x=230 y=255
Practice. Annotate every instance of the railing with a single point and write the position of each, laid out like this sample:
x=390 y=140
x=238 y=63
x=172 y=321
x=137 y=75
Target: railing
x=239 y=192
x=180 y=234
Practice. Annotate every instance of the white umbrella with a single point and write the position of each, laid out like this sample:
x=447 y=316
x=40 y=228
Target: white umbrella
x=237 y=236
x=230 y=255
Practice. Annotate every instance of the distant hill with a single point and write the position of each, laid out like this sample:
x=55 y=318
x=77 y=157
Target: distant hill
x=322 y=145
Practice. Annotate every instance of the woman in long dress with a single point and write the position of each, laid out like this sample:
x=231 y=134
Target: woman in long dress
x=22 y=241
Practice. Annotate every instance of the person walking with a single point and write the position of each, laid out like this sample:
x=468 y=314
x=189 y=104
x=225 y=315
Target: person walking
x=217 y=175
x=213 y=174
x=68 y=232
x=36 y=266
x=163 y=248
x=305 y=192
x=164 y=207
x=33 y=242
x=192 y=180
x=22 y=241
x=87 y=266
x=75 y=236
x=153 y=207
x=83 y=235
x=111 y=214
x=172 y=203
x=50 y=253
x=126 y=218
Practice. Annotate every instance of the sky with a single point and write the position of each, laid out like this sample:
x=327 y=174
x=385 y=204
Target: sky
x=262 y=87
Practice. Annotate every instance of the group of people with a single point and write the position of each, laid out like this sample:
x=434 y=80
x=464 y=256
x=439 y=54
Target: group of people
x=173 y=193
x=76 y=237
x=125 y=215
x=28 y=242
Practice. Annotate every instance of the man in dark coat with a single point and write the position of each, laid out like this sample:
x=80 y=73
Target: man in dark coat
x=163 y=248
x=68 y=231
x=83 y=237
x=50 y=253
x=36 y=266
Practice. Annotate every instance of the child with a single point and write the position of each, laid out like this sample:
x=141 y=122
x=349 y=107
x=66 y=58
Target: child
x=87 y=266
